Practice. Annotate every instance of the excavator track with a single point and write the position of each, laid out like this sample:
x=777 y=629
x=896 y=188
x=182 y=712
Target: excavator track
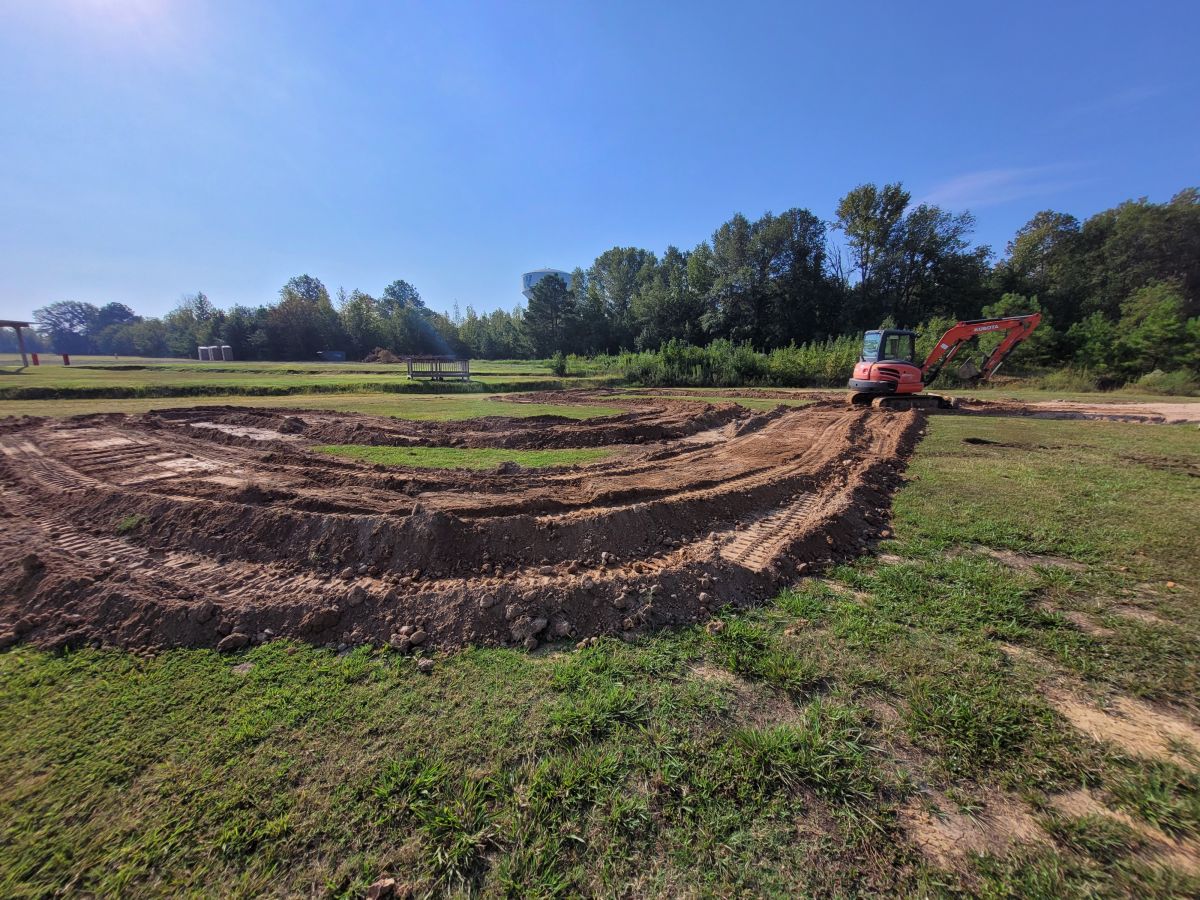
x=911 y=401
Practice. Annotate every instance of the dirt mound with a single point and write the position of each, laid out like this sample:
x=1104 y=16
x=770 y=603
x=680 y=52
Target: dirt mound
x=219 y=526
x=382 y=355
x=660 y=421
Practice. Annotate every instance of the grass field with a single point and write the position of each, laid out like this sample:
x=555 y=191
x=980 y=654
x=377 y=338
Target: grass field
x=931 y=698
x=129 y=379
x=457 y=458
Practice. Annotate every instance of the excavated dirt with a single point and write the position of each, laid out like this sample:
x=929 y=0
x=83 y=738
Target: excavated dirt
x=220 y=526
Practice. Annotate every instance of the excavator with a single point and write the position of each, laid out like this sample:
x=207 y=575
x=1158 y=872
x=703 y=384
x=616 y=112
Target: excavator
x=887 y=374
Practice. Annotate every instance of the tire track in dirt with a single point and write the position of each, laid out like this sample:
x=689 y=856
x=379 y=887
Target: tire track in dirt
x=187 y=527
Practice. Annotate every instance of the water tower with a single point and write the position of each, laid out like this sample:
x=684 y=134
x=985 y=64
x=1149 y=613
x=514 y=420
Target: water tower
x=529 y=279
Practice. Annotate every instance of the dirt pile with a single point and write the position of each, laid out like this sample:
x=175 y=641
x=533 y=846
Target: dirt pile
x=220 y=527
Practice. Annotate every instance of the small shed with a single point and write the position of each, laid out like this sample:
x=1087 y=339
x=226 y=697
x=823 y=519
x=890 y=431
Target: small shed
x=438 y=368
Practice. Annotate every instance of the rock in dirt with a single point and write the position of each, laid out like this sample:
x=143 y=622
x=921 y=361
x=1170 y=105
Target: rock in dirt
x=319 y=620
x=400 y=642
x=383 y=889
x=233 y=641
x=418 y=637
x=425 y=666
x=525 y=627
x=203 y=611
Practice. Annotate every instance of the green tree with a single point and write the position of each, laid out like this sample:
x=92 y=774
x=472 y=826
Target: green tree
x=870 y=218
x=1093 y=343
x=1154 y=331
x=304 y=321
x=613 y=280
x=551 y=317
x=67 y=325
x=193 y=323
x=361 y=322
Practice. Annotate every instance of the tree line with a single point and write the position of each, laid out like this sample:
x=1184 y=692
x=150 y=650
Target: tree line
x=1119 y=292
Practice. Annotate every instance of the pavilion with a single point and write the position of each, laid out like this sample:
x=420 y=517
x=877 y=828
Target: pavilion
x=18 y=327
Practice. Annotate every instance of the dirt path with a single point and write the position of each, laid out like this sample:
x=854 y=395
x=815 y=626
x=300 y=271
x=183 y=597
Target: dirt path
x=218 y=525
x=1146 y=413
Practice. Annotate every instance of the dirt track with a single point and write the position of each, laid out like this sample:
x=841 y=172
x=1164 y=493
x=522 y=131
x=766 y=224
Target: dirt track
x=216 y=525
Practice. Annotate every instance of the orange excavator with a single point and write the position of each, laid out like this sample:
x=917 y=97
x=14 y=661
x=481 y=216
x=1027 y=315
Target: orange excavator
x=887 y=374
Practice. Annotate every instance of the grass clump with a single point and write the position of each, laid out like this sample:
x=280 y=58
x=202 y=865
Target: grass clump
x=459 y=458
x=755 y=652
x=130 y=523
x=826 y=751
x=1102 y=838
x=1163 y=793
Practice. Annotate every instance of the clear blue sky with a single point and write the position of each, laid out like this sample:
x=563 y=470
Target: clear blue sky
x=155 y=147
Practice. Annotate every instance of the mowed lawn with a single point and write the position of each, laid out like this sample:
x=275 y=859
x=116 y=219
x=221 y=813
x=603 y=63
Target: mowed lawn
x=134 y=379
x=896 y=727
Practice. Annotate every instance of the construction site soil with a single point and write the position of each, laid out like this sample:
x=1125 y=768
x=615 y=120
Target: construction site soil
x=222 y=527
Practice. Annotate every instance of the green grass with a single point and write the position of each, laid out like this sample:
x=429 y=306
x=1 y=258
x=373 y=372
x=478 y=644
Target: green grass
x=438 y=407
x=186 y=379
x=756 y=760
x=459 y=458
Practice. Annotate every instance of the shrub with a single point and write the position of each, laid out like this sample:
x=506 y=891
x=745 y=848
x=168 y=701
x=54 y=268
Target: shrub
x=558 y=364
x=1075 y=380
x=1180 y=383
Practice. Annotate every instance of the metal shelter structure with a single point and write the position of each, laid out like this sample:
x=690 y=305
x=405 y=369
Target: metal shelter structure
x=19 y=328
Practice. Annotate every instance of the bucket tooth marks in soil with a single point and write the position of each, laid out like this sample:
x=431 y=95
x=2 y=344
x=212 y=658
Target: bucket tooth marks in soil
x=160 y=530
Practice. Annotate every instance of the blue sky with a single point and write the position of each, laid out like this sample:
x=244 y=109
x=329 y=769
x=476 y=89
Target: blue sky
x=154 y=147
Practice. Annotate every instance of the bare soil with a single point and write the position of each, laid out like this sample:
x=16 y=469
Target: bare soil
x=219 y=526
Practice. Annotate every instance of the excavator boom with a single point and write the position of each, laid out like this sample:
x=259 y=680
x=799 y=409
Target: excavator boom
x=1018 y=328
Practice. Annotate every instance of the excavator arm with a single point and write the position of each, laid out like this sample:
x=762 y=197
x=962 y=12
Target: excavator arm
x=1017 y=329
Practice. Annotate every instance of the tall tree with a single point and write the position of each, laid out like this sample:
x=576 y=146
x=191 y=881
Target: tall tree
x=67 y=325
x=870 y=217
x=551 y=317
x=613 y=280
x=304 y=321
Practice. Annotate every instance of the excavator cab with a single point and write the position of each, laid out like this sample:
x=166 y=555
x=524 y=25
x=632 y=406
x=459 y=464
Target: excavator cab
x=889 y=345
x=887 y=364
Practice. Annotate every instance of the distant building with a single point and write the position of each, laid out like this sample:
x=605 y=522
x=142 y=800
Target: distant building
x=529 y=279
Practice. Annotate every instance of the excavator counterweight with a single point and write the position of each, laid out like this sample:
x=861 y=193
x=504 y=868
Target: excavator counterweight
x=888 y=375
